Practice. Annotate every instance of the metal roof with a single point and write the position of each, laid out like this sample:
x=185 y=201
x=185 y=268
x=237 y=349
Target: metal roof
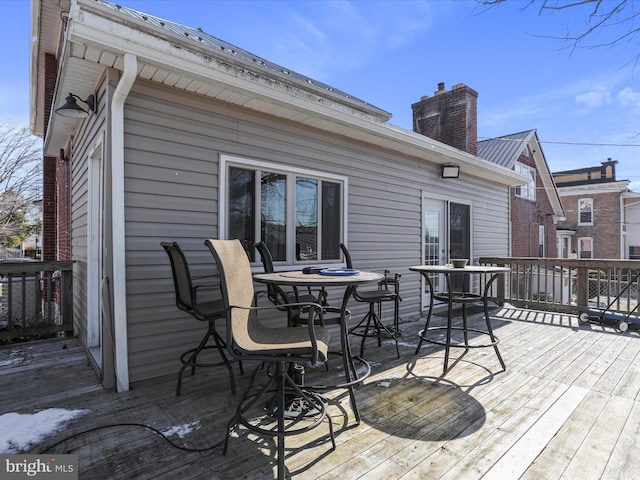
x=199 y=37
x=504 y=151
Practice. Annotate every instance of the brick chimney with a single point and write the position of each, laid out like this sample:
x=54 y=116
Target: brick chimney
x=449 y=117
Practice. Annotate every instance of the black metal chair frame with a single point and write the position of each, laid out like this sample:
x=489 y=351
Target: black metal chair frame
x=209 y=311
x=275 y=294
x=241 y=318
x=371 y=324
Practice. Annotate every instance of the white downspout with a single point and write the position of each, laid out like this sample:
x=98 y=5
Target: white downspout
x=119 y=283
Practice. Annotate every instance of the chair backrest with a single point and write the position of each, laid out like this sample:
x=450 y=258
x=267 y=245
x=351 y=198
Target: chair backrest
x=265 y=256
x=181 y=276
x=347 y=255
x=236 y=282
x=273 y=293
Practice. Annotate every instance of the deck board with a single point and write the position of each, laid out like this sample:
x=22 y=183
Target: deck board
x=568 y=406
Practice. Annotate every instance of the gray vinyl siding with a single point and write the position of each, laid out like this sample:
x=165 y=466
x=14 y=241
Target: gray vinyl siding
x=173 y=143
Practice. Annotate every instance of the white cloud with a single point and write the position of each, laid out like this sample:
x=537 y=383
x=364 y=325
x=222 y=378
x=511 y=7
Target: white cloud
x=326 y=39
x=629 y=97
x=595 y=98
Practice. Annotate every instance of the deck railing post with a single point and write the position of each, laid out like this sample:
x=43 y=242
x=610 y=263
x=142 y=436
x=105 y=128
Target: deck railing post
x=582 y=284
x=66 y=290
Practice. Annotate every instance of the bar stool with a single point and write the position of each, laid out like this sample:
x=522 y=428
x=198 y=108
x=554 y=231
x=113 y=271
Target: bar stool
x=371 y=324
x=249 y=339
x=209 y=311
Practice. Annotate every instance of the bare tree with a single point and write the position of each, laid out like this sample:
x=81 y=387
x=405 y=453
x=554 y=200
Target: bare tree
x=608 y=22
x=20 y=183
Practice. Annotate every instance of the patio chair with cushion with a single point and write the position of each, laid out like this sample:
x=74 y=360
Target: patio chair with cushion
x=371 y=324
x=209 y=311
x=277 y=347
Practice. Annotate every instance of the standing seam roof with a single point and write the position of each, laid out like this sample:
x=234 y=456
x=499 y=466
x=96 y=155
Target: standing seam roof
x=198 y=36
x=504 y=151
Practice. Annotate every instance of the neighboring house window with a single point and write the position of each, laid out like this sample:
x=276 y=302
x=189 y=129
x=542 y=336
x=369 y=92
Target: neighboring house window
x=541 y=241
x=585 y=211
x=298 y=213
x=634 y=253
x=527 y=191
x=585 y=247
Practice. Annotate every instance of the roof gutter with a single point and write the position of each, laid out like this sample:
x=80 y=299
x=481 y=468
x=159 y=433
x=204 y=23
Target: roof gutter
x=129 y=74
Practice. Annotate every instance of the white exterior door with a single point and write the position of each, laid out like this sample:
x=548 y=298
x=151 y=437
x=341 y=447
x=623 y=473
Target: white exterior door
x=95 y=211
x=434 y=232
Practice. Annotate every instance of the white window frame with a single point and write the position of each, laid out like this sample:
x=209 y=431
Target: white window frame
x=590 y=202
x=290 y=172
x=580 y=240
x=542 y=248
x=527 y=191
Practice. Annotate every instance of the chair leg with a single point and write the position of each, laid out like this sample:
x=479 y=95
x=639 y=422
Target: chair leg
x=371 y=326
x=283 y=384
x=192 y=360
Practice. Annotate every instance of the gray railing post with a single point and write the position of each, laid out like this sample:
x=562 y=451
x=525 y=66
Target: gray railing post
x=66 y=292
x=582 y=298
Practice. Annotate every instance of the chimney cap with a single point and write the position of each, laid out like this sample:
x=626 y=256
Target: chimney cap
x=441 y=88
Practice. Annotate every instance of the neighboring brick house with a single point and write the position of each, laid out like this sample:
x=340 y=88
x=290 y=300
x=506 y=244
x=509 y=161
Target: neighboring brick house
x=535 y=208
x=595 y=226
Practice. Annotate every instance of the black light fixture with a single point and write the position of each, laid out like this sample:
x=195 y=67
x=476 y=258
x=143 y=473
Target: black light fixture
x=71 y=109
x=62 y=157
x=450 y=171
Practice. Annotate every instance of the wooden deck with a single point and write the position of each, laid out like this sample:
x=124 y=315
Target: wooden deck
x=567 y=407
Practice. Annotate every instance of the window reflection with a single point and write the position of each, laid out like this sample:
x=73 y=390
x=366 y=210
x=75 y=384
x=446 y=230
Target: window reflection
x=273 y=213
x=306 y=219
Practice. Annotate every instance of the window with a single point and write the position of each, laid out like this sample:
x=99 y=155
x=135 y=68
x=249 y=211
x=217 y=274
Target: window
x=585 y=247
x=298 y=213
x=527 y=191
x=541 y=241
x=634 y=253
x=585 y=211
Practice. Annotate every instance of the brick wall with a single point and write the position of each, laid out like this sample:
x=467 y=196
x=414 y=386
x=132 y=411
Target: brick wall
x=49 y=165
x=605 y=230
x=63 y=172
x=449 y=117
x=527 y=216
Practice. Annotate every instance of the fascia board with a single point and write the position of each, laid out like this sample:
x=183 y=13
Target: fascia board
x=594 y=188
x=545 y=175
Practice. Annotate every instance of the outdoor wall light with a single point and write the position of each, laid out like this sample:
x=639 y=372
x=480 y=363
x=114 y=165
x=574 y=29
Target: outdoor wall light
x=71 y=109
x=450 y=171
x=62 y=157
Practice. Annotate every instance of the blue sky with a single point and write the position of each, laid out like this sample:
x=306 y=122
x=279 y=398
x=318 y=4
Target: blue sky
x=584 y=102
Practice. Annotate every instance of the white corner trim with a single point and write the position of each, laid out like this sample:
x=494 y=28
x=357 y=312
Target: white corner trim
x=118 y=224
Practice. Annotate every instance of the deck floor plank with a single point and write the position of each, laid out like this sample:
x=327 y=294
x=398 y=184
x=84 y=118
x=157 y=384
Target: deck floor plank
x=601 y=441
x=568 y=406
